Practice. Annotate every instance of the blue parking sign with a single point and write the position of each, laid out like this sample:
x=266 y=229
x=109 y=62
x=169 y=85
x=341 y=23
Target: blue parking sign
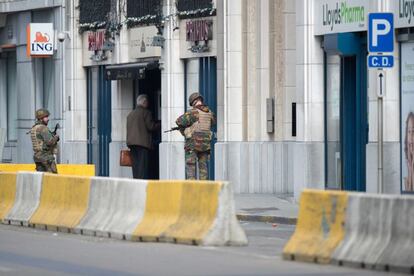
x=380 y=32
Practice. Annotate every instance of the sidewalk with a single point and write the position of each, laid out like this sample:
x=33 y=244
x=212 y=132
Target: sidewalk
x=266 y=208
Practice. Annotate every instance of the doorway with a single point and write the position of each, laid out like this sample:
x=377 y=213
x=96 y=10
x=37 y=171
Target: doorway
x=150 y=84
x=208 y=89
x=99 y=117
x=346 y=112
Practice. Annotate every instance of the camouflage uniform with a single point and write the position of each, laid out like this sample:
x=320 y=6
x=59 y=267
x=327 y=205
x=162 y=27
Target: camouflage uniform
x=44 y=147
x=197 y=141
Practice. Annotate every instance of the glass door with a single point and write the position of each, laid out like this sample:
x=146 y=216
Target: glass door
x=333 y=122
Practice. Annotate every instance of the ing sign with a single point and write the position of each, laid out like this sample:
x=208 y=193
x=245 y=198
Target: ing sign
x=40 y=39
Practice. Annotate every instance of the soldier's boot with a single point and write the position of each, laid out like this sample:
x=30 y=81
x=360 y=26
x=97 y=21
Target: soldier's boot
x=41 y=167
x=53 y=167
x=190 y=164
x=202 y=165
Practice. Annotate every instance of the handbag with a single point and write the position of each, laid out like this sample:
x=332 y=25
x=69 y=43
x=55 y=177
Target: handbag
x=125 y=158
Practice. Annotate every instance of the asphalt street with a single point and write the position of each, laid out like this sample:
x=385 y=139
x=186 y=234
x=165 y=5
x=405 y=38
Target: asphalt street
x=25 y=251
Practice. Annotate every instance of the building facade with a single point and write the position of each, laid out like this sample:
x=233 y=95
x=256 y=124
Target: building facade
x=27 y=83
x=296 y=105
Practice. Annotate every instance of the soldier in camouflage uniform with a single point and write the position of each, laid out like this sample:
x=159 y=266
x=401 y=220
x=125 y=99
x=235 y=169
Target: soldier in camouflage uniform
x=44 y=143
x=195 y=126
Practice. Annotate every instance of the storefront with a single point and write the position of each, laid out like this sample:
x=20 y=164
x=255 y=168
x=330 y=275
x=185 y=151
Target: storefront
x=404 y=25
x=31 y=66
x=121 y=62
x=342 y=30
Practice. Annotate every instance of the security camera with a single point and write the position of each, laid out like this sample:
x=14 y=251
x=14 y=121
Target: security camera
x=61 y=37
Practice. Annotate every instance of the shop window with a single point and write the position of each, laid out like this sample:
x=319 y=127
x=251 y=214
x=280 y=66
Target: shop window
x=195 y=8
x=94 y=11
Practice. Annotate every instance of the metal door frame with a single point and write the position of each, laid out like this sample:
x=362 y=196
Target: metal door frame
x=104 y=121
x=208 y=89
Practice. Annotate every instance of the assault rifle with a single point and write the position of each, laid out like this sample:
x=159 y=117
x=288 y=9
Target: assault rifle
x=54 y=132
x=173 y=129
x=57 y=126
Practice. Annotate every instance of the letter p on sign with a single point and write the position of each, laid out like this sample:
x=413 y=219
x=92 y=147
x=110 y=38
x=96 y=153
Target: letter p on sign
x=381 y=32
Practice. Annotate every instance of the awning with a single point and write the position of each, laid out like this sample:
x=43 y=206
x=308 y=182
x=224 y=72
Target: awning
x=129 y=70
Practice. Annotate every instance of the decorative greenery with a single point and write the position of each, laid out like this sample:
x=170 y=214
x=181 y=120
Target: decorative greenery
x=143 y=20
x=92 y=26
x=197 y=13
x=195 y=8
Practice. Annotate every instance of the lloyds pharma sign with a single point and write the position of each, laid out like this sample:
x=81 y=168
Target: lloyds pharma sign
x=403 y=13
x=340 y=16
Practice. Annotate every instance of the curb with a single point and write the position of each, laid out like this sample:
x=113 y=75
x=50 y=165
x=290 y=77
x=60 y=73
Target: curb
x=268 y=219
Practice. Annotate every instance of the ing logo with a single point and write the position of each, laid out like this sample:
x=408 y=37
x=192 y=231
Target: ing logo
x=42 y=38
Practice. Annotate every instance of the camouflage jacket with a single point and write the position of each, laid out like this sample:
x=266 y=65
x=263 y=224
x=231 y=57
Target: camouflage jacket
x=199 y=141
x=44 y=142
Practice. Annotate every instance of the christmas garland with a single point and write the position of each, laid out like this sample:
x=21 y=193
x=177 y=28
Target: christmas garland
x=92 y=26
x=143 y=20
x=197 y=13
x=146 y=20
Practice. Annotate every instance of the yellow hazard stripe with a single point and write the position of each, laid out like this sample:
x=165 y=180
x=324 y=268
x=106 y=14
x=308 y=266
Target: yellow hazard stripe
x=63 y=201
x=320 y=226
x=7 y=193
x=181 y=211
x=63 y=169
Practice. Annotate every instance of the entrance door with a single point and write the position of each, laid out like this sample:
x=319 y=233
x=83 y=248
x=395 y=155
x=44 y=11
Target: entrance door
x=208 y=89
x=151 y=86
x=346 y=118
x=99 y=119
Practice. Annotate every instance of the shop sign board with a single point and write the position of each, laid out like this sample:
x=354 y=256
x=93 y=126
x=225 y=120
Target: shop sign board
x=141 y=43
x=198 y=37
x=336 y=16
x=407 y=117
x=96 y=40
x=40 y=39
x=404 y=13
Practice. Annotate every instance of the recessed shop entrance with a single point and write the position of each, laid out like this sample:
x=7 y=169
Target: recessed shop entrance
x=346 y=117
x=150 y=84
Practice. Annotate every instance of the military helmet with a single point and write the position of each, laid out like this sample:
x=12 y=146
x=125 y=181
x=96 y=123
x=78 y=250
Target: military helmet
x=195 y=96
x=41 y=113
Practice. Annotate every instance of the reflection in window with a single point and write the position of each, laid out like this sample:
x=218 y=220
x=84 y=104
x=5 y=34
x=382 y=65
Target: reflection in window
x=333 y=82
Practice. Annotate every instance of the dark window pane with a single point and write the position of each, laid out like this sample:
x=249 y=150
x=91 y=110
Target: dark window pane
x=94 y=10
x=189 y=5
x=140 y=8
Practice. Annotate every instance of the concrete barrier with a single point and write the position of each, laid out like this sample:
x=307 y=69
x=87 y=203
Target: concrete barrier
x=63 y=202
x=370 y=217
x=28 y=188
x=378 y=233
x=399 y=254
x=320 y=226
x=63 y=169
x=375 y=231
x=7 y=193
x=116 y=206
x=190 y=212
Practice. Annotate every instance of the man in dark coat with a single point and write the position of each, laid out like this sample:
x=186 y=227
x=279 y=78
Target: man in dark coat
x=139 y=137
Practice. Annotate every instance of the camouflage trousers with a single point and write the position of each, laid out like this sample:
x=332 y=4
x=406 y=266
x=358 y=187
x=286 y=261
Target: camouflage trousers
x=46 y=166
x=191 y=157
